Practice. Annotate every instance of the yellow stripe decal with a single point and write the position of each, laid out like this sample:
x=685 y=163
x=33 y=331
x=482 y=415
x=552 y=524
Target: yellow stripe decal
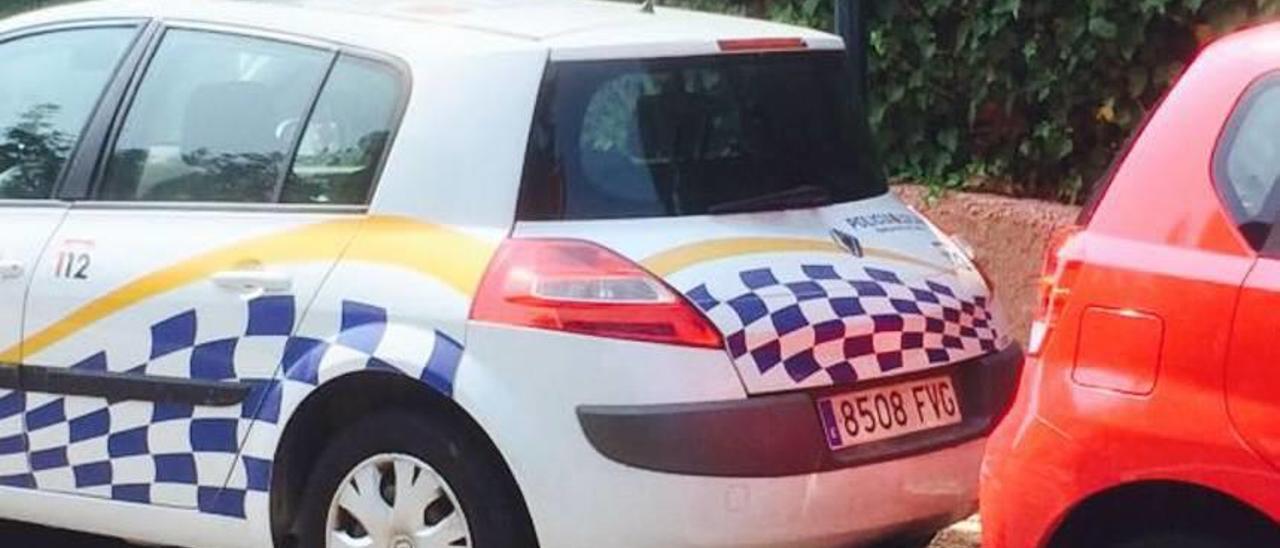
x=677 y=259
x=456 y=259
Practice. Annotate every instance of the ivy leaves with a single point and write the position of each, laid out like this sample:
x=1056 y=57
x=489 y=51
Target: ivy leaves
x=1038 y=92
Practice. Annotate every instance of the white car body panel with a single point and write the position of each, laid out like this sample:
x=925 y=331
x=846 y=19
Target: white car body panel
x=211 y=314
x=27 y=231
x=838 y=508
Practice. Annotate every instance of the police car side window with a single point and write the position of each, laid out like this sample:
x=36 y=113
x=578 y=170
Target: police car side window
x=49 y=85
x=214 y=120
x=347 y=135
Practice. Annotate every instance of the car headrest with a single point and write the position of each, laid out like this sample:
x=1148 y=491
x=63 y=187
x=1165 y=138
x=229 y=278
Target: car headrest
x=671 y=123
x=230 y=117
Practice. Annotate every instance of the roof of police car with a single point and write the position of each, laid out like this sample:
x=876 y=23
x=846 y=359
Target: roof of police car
x=549 y=23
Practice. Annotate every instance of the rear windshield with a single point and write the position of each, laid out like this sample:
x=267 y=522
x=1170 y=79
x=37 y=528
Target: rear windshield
x=697 y=135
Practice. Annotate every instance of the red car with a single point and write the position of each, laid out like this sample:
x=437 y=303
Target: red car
x=1149 y=411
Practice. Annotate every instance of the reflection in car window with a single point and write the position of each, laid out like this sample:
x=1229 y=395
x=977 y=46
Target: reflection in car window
x=1253 y=157
x=49 y=85
x=214 y=120
x=346 y=136
x=622 y=139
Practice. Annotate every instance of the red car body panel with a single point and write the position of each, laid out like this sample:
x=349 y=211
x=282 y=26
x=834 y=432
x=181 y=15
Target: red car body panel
x=1164 y=363
x=1253 y=370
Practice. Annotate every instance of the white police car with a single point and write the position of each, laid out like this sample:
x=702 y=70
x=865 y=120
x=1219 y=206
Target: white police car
x=409 y=273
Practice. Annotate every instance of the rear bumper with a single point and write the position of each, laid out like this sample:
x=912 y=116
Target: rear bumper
x=723 y=438
x=528 y=388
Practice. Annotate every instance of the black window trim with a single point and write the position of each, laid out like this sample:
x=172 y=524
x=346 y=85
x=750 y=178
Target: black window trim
x=1221 y=180
x=278 y=192
x=87 y=196
x=72 y=170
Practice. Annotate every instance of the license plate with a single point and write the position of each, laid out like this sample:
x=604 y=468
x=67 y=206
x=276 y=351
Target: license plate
x=888 y=412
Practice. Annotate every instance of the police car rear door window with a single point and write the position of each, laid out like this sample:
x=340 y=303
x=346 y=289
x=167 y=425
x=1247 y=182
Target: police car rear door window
x=214 y=120
x=346 y=136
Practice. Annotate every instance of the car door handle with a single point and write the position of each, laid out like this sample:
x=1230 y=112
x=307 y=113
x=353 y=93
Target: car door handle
x=249 y=281
x=10 y=270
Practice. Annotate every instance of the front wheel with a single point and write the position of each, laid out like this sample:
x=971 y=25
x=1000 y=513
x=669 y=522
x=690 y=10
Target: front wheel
x=400 y=480
x=398 y=501
x=1178 y=540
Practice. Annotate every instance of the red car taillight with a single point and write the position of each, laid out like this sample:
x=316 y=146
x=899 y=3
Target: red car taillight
x=1056 y=278
x=580 y=287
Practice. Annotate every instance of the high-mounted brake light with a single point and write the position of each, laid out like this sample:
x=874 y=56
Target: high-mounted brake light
x=1056 y=279
x=580 y=287
x=762 y=44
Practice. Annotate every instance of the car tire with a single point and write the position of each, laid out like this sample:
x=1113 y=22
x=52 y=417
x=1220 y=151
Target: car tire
x=475 y=487
x=915 y=541
x=1178 y=540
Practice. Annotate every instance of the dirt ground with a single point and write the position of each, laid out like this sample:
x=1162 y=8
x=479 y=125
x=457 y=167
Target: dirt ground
x=1009 y=237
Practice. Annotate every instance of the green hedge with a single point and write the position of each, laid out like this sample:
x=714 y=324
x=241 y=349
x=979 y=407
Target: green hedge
x=10 y=7
x=1030 y=97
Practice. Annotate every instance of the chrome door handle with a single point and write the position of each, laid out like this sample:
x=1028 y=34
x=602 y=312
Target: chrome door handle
x=10 y=270
x=249 y=281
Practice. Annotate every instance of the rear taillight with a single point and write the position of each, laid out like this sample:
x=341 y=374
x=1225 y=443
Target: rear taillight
x=1054 y=286
x=580 y=287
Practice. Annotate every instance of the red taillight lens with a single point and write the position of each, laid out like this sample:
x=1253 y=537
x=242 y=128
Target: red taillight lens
x=762 y=44
x=580 y=287
x=1056 y=278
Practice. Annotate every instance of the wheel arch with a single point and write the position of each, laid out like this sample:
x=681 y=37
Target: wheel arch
x=339 y=403
x=1125 y=511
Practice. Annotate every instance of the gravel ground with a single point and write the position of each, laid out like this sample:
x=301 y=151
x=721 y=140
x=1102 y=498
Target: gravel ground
x=966 y=534
x=1009 y=237
x=963 y=535
x=26 y=536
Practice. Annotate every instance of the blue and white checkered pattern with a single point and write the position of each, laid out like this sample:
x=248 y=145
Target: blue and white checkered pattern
x=13 y=449
x=817 y=325
x=185 y=456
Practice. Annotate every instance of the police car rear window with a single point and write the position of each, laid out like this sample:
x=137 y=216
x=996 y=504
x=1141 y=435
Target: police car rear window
x=696 y=136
